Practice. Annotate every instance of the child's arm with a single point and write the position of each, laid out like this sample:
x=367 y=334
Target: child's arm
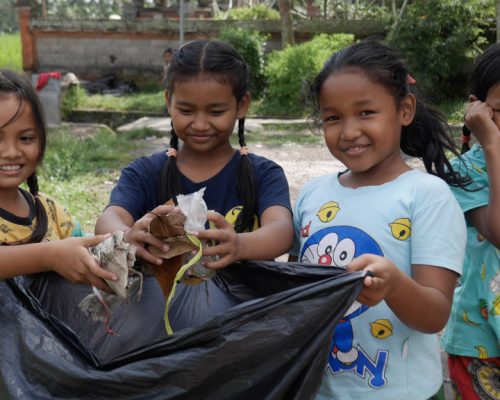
x=271 y=240
x=479 y=119
x=69 y=257
x=116 y=218
x=423 y=303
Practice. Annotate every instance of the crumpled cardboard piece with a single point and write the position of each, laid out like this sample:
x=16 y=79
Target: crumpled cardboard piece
x=170 y=229
x=114 y=254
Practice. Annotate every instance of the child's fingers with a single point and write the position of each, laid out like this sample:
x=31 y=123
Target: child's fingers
x=145 y=255
x=359 y=263
x=218 y=264
x=163 y=210
x=100 y=272
x=99 y=284
x=218 y=219
x=91 y=241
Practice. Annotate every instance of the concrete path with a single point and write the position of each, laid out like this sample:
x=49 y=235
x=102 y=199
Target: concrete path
x=163 y=124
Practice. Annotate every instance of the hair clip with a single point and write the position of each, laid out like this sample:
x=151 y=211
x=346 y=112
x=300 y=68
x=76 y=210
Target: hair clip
x=171 y=152
x=244 y=151
x=411 y=80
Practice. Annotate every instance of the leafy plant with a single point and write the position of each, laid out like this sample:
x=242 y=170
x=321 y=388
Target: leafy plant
x=439 y=40
x=250 y=45
x=287 y=69
x=257 y=12
x=10 y=52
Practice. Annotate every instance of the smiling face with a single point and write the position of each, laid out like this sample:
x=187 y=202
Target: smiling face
x=19 y=143
x=362 y=126
x=204 y=112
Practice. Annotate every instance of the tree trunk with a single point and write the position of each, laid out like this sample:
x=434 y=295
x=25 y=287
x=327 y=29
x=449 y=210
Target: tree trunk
x=498 y=21
x=287 y=35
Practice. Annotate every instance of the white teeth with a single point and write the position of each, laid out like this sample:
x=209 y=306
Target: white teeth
x=9 y=167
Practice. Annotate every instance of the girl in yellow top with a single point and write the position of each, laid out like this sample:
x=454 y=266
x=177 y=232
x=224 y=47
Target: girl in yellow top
x=32 y=220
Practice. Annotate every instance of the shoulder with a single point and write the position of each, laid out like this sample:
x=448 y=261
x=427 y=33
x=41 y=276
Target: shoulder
x=155 y=161
x=266 y=171
x=262 y=163
x=472 y=164
x=61 y=222
x=427 y=185
x=318 y=183
x=50 y=202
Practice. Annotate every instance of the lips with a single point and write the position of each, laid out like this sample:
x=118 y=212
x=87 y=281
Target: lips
x=10 y=168
x=355 y=150
x=200 y=138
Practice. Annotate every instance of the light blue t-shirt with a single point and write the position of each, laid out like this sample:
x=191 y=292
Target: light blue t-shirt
x=413 y=219
x=473 y=329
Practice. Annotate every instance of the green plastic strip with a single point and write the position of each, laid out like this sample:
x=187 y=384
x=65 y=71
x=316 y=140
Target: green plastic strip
x=179 y=276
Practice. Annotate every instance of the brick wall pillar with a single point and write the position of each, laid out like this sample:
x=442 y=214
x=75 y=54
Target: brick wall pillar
x=27 y=38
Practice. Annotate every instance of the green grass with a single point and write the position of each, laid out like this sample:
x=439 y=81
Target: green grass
x=141 y=102
x=80 y=173
x=10 y=52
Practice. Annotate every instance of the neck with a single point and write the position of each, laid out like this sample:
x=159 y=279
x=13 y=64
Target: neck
x=14 y=202
x=202 y=166
x=375 y=176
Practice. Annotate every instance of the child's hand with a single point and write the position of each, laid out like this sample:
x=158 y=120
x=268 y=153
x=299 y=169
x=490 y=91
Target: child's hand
x=139 y=235
x=226 y=245
x=382 y=284
x=72 y=259
x=479 y=119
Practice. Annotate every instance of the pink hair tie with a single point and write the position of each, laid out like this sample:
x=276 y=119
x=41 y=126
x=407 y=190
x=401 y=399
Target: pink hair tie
x=171 y=152
x=244 y=151
x=411 y=80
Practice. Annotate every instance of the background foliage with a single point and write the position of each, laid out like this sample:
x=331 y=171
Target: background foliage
x=440 y=39
x=8 y=16
x=250 y=45
x=287 y=69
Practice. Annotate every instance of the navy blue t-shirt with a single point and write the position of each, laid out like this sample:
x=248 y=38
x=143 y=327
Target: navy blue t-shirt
x=137 y=188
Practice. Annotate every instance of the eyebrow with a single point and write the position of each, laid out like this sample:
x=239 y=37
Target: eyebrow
x=187 y=103
x=360 y=103
x=29 y=129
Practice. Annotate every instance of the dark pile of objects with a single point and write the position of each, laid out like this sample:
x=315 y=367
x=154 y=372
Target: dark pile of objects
x=109 y=84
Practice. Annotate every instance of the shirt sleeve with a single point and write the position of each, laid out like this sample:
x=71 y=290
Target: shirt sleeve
x=273 y=187
x=137 y=187
x=438 y=227
x=478 y=192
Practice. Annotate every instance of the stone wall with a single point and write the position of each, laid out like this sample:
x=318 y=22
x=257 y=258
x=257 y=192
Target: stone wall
x=134 y=48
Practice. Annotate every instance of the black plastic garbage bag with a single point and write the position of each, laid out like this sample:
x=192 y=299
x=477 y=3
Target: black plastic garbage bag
x=269 y=340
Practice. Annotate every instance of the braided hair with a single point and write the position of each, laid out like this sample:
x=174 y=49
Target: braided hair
x=428 y=136
x=20 y=86
x=224 y=64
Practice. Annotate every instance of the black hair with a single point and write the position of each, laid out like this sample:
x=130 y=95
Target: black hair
x=428 y=136
x=221 y=62
x=168 y=50
x=485 y=75
x=12 y=83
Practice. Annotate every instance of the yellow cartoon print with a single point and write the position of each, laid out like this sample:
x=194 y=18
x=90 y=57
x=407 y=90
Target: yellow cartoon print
x=328 y=211
x=233 y=213
x=381 y=328
x=401 y=228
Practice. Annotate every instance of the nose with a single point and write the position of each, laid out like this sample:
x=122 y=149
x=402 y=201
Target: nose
x=350 y=130
x=9 y=149
x=200 y=122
